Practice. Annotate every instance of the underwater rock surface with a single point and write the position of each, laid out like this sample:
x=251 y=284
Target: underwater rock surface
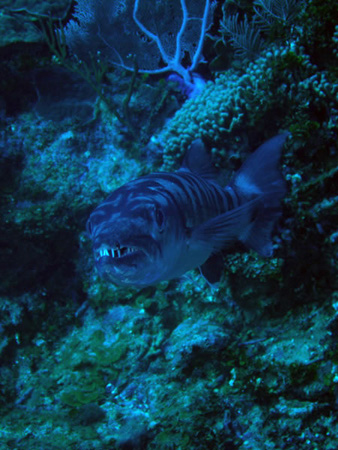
x=14 y=26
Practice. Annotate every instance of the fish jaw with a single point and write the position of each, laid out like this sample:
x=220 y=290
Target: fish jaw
x=129 y=264
x=116 y=252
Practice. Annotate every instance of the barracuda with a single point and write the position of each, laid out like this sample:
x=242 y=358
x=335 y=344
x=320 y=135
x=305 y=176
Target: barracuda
x=161 y=225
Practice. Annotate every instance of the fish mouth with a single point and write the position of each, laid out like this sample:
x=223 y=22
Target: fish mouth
x=117 y=253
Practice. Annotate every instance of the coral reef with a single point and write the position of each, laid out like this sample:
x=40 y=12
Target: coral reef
x=283 y=78
x=128 y=32
x=250 y=364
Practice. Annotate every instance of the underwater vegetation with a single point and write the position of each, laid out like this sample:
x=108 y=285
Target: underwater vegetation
x=85 y=364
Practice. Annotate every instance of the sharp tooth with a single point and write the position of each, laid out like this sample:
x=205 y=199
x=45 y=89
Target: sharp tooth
x=104 y=252
x=119 y=253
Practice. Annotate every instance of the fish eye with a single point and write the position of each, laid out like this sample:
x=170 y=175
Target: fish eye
x=159 y=217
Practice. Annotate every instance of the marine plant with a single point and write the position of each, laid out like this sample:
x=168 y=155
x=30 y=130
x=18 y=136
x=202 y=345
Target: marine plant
x=92 y=70
x=252 y=30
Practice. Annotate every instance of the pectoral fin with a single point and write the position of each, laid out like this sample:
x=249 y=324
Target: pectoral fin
x=225 y=229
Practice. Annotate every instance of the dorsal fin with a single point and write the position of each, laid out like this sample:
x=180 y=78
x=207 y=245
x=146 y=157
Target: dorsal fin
x=198 y=161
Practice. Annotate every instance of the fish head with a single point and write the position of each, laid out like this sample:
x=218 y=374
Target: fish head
x=132 y=239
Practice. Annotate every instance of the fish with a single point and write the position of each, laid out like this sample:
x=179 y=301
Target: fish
x=161 y=225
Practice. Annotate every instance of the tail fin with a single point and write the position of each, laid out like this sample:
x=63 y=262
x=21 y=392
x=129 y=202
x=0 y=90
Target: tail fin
x=260 y=177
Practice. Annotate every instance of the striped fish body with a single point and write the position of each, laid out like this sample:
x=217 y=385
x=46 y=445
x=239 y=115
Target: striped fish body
x=161 y=225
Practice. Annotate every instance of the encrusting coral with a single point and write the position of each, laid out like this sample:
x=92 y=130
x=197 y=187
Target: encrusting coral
x=282 y=77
